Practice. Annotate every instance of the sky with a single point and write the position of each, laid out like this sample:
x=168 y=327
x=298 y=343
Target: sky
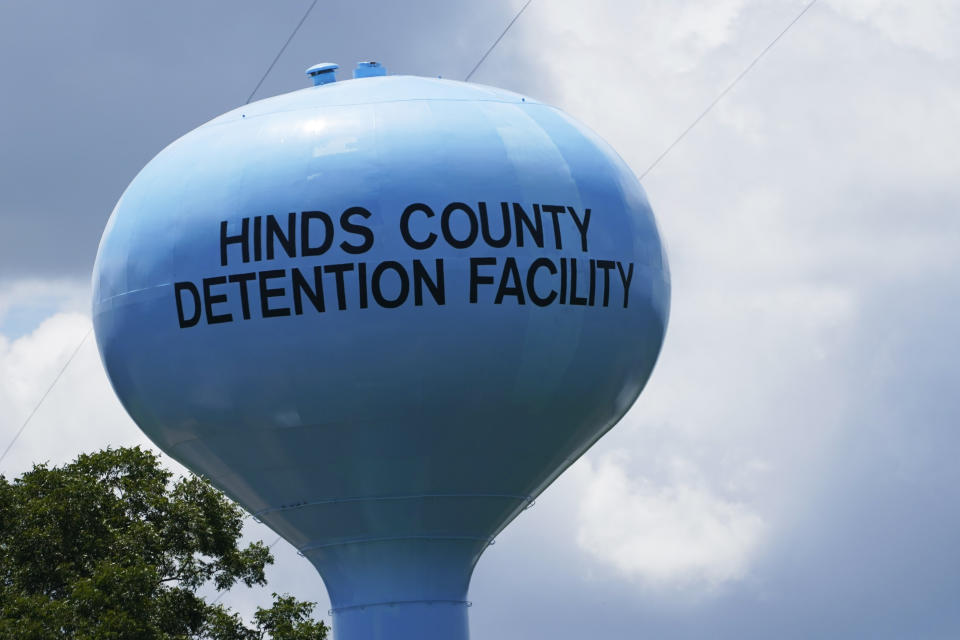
x=791 y=469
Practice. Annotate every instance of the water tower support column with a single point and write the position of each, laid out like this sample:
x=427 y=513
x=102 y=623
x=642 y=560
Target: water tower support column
x=403 y=621
x=406 y=588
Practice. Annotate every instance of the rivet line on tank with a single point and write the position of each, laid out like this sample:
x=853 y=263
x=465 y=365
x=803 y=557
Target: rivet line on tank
x=314 y=547
x=300 y=505
x=394 y=603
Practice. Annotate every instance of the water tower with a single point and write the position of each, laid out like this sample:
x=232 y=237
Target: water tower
x=383 y=314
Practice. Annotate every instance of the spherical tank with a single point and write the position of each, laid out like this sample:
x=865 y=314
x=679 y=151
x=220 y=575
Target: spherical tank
x=383 y=314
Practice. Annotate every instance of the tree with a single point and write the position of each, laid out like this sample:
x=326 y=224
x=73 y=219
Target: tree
x=110 y=547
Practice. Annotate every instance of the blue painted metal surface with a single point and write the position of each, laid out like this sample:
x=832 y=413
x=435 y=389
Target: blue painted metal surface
x=383 y=315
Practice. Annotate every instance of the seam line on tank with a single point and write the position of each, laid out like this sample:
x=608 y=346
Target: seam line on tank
x=311 y=503
x=393 y=603
x=315 y=547
x=212 y=123
x=133 y=291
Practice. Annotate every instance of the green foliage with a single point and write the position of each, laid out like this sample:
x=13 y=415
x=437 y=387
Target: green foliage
x=108 y=547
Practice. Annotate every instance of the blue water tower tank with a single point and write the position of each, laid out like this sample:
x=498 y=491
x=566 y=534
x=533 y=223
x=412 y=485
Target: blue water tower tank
x=383 y=314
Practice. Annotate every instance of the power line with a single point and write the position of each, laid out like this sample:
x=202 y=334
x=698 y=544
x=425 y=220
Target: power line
x=727 y=90
x=497 y=41
x=45 y=394
x=282 y=49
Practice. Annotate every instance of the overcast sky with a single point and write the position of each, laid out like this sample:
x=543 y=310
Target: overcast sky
x=791 y=471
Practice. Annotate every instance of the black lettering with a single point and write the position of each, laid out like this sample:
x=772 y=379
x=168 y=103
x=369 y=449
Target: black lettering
x=510 y=272
x=606 y=265
x=300 y=285
x=555 y=211
x=358 y=229
x=625 y=278
x=362 y=281
x=305 y=218
x=581 y=225
x=209 y=300
x=593 y=281
x=536 y=265
x=382 y=300
x=242 y=238
x=504 y=239
x=178 y=289
x=573 y=285
x=287 y=240
x=242 y=279
x=266 y=293
x=563 y=281
x=522 y=220
x=435 y=285
x=257 y=248
x=405 y=227
x=338 y=270
x=476 y=278
x=445 y=225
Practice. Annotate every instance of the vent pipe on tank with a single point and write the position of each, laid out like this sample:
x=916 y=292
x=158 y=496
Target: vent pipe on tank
x=369 y=69
x=323 y=73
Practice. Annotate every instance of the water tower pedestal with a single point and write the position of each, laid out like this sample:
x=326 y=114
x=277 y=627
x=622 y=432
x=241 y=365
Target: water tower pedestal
x=406 y=621
x=399 y=588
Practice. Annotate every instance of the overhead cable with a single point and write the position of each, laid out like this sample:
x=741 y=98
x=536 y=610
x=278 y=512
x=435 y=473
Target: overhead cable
x=496 y=42
x=726 y=90
x=45 y=394
x=282 y=49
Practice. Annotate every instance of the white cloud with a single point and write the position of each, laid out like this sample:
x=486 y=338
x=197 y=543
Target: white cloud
x=667 y=535
x=680 y=34
x=81 y=412
x=928 y=26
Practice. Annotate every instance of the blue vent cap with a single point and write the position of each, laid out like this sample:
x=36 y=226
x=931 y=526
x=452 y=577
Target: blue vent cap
x=323 y=73
x=369 y=70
